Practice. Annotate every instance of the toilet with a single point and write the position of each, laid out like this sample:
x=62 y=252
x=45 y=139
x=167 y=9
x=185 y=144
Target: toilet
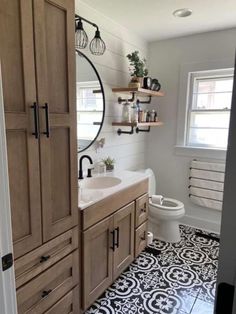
x=164 y=218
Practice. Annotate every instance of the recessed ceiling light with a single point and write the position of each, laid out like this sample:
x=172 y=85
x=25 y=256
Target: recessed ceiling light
x=182 y=12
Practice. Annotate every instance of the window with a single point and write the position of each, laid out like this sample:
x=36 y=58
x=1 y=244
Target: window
x=89 y=111
x=209 y=104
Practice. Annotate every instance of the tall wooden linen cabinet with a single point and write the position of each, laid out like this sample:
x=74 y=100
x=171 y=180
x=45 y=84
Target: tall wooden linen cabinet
x=38 y=68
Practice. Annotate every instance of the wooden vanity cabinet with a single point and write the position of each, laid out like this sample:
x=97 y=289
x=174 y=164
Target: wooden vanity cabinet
x=141 y=224
x=109 y=241
x=124 y=239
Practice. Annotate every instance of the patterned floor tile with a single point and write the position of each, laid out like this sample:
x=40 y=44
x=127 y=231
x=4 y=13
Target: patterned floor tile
x=201 y=307
x=166 y=278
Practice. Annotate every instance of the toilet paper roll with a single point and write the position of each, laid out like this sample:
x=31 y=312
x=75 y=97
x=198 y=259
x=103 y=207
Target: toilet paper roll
x=149 y=237
x=157 y=199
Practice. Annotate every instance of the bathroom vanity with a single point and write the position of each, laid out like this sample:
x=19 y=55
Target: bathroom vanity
x=114 y=230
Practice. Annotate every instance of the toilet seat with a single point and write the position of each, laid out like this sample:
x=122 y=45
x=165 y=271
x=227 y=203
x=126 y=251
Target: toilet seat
x=169 y=204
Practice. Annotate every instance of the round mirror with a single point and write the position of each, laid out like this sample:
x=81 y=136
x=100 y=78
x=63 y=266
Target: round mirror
x=90 y=102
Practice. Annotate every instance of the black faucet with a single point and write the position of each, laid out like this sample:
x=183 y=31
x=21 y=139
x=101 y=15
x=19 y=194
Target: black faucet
x=89 y=175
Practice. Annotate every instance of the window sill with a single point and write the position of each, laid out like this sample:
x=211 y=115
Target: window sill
x=196 y=152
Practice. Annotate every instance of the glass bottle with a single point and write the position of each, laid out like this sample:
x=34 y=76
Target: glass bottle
x=134 y=113
x=126 y=112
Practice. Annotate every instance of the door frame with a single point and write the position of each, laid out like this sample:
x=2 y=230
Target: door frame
x=7 y=278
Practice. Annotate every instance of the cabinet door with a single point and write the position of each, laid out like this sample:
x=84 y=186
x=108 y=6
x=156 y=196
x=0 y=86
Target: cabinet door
x=55 y=64
x=97 y=260
x=19 y=90
x=141 y=238
x=141 y=214
x=124 y=239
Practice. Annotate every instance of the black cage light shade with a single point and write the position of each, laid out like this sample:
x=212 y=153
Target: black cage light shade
x=97 y=45
x=81 y=38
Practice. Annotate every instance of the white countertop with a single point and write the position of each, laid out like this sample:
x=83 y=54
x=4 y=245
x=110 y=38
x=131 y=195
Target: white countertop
x=88 y=197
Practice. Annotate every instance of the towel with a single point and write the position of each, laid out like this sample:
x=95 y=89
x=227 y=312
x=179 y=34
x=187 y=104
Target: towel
x=206 y=202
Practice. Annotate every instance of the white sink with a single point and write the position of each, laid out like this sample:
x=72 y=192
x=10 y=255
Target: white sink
x=99 y=183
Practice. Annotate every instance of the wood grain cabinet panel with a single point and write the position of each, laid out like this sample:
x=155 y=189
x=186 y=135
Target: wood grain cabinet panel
x=141 y=213
x=124 y=234
x=97 y=260
x=32 y=264
x=141 y=238
x=45 y=290
x=55 y=64
x=19 y=90
x=69 y=304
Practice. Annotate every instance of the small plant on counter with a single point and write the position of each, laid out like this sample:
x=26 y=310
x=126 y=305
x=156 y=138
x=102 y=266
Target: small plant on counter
x=109 y=163
x=138 y=66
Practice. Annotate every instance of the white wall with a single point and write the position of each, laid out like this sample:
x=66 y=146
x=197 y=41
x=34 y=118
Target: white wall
x=129 y=151
x=165 y=60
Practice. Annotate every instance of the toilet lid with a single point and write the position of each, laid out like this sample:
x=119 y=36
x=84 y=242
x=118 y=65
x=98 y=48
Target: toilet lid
x=168 y=204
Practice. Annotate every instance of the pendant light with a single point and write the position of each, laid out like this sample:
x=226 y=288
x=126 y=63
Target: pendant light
x=81 y=38
x=97 y=45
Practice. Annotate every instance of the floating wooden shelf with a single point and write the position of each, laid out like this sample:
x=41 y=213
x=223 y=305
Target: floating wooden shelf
x=136 y=125
x=135 y=92
x=138 y=91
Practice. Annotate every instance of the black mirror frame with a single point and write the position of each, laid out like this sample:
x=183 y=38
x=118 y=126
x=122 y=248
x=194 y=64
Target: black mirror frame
x=103 y=94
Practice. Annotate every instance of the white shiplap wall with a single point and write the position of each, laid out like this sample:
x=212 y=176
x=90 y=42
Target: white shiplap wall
x=129 y=151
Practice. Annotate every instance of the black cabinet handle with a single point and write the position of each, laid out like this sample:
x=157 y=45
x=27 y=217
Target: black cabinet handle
x=44 y=258
x=113 y=240
x=143 y=209
x=144 y=236
x=117 y=243
x=47 y=133
x=36 y=128
x=45 y=293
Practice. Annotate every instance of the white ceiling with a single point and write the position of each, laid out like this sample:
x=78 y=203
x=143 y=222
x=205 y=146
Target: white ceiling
x=153 y=19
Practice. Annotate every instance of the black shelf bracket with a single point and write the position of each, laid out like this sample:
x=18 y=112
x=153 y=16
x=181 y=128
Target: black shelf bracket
x=145 y=101
x=120 y=99
x=119 y=131
x=143 y=130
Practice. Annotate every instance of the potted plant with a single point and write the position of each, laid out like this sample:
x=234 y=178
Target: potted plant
x=138 y=68
x=109 y=163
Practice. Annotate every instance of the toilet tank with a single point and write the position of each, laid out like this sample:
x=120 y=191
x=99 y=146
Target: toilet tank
x=152 y=181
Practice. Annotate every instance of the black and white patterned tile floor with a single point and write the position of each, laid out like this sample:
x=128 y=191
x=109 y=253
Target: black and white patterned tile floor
x=166 y=279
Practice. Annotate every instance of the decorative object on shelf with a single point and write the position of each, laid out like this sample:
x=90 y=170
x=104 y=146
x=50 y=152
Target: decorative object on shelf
x=126 y=112
x=109 y=163
x=97 y=45
x=134 y=113
x=138 y=69
x=147 y=82
x=155 y=86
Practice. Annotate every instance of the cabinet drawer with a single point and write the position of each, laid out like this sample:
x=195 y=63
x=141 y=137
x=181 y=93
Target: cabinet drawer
x=141 y=213
x=33 y=263
x=41 y=293
x=141 y=238
x=69 y=304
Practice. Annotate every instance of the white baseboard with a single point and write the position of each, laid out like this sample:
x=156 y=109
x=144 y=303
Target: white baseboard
x=201 y=224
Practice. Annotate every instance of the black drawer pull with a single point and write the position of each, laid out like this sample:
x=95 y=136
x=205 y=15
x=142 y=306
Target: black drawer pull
x=144 y=236
x=117 y=243
x=45 y=293
x=47 y=132
x=44 y=258
x=113 y=240
x=36 y=128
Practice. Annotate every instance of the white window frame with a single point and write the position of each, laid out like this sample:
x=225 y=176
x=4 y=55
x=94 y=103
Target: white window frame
x=182 y=119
